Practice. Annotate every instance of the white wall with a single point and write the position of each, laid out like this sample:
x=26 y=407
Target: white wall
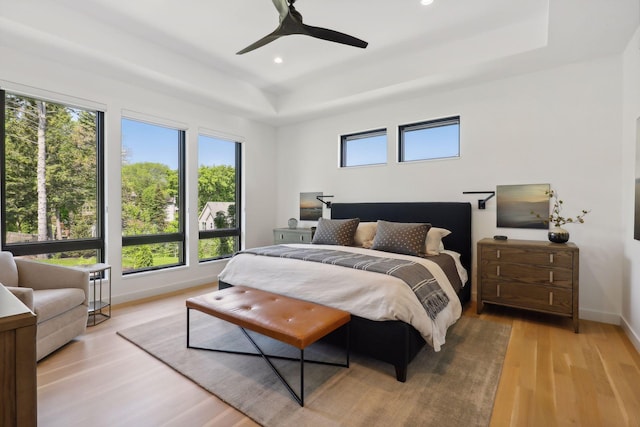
x=571 y=127
x=561 y=126
x=630 y=168
x=29 y=74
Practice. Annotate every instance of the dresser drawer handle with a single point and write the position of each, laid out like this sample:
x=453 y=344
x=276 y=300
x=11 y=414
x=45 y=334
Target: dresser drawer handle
x=281 y=236
x=550 y=298
x=302 y=237
x=497 y=270
x=550 y=258
x=498 y=254
x=498 y=290
x=551 y=277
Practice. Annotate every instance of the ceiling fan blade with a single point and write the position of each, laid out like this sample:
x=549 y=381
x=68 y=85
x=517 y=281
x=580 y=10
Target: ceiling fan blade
x=288 y=25
x=291 y=23
x=334 y=36
x=263 y=41
x=282 y=6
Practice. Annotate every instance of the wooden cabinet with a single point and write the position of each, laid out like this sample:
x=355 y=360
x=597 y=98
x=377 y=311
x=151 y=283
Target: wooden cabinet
x=529 y=274
x=292 y=235
x=18 y=398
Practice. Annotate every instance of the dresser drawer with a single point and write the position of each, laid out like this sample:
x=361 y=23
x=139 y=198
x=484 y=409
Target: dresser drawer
x=535 y=297
x=292 y=235
x=526 y=273
x=547 y=258
x=529 y=274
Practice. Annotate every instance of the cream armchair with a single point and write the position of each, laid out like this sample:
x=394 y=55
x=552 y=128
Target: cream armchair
x=57 y=295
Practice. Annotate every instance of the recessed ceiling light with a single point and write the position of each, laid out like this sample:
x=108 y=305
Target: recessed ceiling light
x=426 y=2
x=277 y=60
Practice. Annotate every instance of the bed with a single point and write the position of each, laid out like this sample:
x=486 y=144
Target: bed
x=392 y=341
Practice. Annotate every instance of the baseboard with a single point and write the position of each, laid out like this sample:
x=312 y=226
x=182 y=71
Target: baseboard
x=600 y=316
x=633 y=336
x=611 y=318
x=156 y=291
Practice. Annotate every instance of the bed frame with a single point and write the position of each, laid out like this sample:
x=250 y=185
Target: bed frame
x=394 y=341
x=397 y=342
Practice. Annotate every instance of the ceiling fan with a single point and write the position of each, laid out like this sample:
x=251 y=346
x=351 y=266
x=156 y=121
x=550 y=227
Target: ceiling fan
x=291 y=23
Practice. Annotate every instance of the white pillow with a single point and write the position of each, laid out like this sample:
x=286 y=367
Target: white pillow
x=434 y=240
x=365 y=233
x=8 y=269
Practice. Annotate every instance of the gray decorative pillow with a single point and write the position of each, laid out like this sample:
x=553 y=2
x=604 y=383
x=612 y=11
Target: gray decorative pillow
x=335 y=231
x=401 y=237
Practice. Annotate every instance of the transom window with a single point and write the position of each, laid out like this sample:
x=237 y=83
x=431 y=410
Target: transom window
x=363 y=148
x=434 y=139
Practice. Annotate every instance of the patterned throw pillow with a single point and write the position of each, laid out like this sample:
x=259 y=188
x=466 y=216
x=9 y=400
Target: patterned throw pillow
x=401 y=237
x=335 y=231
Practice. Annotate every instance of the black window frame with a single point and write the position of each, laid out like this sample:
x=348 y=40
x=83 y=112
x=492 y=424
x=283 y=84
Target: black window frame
x=57 y=246
x=229 y=232
x=344 y=140
x=180 y=236
x=428 y=124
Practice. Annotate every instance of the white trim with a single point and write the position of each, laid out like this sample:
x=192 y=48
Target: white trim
x=50 y=96
x=159 y=290
x=631 y=334
x=220 y=135
x=152 y=120
x=600 y=316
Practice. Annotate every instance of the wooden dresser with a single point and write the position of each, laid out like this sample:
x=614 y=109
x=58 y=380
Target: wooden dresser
x=18 y=396
x=529 y=274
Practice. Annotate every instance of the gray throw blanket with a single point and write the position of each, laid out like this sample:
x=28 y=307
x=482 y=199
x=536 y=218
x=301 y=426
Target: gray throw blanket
x=417 y=276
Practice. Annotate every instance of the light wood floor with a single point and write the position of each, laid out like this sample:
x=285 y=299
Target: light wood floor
x=551 y=376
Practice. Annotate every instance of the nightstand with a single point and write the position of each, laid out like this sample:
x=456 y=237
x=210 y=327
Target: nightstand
x=99 y=304
x=529 y=274
x=292 y=235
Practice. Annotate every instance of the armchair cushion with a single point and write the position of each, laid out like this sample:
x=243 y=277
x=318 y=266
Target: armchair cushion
x=51 y=302
x=8 y=269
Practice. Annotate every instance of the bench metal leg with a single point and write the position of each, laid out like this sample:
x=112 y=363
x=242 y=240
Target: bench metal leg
x=267 y=357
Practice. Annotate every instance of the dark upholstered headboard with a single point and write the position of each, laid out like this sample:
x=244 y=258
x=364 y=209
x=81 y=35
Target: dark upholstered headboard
x=450 y=215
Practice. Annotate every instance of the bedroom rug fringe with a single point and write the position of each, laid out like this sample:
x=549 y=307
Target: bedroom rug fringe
x=453 y=387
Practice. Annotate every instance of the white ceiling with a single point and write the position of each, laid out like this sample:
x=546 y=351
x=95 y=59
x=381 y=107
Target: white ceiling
x=187 y=47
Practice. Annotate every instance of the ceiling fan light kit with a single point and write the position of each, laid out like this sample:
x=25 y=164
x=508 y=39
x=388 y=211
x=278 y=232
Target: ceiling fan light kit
x=291 y=23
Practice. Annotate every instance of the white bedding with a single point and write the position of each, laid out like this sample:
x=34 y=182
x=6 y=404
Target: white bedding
x=366 y=294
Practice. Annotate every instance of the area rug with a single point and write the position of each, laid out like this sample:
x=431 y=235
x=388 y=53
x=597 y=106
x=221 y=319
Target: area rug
x=453 y=387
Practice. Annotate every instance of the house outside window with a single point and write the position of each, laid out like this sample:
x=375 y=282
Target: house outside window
x=218 y=197
x=433 y=139
x=363 y=148
x=52 y=161
x=153 y=234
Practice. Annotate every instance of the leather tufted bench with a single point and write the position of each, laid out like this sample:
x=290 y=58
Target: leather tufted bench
x=292 y=321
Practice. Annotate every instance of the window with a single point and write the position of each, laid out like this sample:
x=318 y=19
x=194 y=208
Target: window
x=152 y=196
x=218 y=197
x=435 y=139
x=52 y=185
x=364 y=148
